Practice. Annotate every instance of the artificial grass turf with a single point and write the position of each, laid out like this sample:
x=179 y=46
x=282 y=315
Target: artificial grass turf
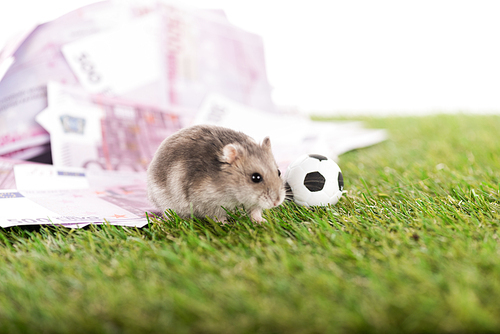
x=411 y=247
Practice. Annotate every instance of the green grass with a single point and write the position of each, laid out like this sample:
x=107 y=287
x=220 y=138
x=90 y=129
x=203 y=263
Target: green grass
x=413 y=246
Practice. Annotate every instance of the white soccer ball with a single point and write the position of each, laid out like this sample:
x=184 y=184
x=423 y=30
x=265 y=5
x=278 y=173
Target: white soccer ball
x=314 y=180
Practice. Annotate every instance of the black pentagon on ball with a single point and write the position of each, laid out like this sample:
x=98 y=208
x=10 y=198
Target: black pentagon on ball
x=341 y=181
x=318 y=156
x=314 y=181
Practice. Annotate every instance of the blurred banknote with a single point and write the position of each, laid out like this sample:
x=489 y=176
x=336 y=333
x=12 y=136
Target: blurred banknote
x=203 y=53
x=149 y=52
x=72 y=197
x=7 y=178
x=103 y=133
x=132 y=67
x=28 y=62
x=291 y=135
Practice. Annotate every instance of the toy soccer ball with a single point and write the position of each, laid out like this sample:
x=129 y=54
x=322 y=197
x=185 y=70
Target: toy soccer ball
x=314 y=180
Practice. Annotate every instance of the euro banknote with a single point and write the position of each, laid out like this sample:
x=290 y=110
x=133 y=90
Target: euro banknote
x=149 y=53
x=291 y=134
x=39 y=194
x=29 y=62
x=103 y=133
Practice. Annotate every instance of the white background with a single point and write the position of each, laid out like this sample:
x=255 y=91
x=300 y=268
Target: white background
x=385 y=56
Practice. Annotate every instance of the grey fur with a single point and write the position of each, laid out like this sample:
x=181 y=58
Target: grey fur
x=200 y=169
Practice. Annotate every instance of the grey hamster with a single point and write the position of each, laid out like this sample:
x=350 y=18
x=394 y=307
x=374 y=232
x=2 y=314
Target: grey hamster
x=202 y=169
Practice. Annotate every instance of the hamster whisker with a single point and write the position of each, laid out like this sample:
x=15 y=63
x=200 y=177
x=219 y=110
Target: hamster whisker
x=288 y=192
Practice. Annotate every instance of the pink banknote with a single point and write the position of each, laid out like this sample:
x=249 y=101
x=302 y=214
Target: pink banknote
x=164 y=56
x=28 y=65
x=33 y=194
x=104 y=133
x=204 y=54
x=7 y=178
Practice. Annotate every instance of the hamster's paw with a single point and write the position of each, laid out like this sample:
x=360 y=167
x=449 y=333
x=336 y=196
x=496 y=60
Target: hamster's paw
x=222 y=221
x=256 y=216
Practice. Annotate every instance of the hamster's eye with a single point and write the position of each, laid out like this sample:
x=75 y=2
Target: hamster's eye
x=279 y=172
x=256 y=178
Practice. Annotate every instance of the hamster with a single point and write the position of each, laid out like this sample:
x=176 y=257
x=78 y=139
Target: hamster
x=202 y=169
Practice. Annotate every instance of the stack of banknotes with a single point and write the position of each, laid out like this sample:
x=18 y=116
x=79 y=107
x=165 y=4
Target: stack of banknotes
x=97 y=90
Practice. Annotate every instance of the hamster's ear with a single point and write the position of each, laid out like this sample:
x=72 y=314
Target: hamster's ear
x=266 y=144
x=230 y=153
